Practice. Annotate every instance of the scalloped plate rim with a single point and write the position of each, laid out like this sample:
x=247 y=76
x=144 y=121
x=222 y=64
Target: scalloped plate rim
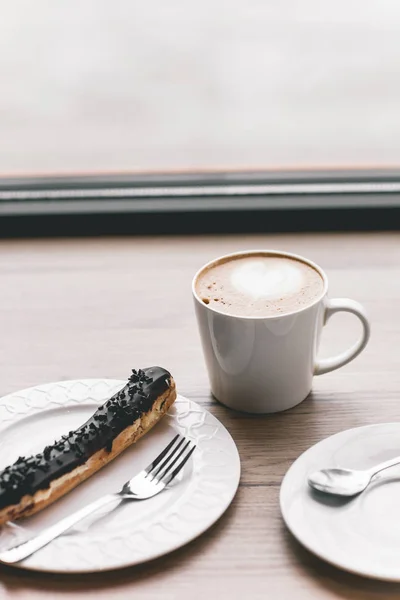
x=21 y=395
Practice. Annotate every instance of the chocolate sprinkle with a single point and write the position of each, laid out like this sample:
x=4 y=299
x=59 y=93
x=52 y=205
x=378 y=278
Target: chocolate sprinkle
x=29 y=474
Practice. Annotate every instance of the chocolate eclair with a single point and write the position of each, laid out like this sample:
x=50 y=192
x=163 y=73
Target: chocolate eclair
x=32 y=483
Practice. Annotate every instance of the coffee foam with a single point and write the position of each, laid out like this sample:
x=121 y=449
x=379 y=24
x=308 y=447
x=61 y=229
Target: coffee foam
x=259 y=285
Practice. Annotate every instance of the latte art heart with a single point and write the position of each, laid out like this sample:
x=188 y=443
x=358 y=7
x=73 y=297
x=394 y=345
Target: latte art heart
x=263 y=279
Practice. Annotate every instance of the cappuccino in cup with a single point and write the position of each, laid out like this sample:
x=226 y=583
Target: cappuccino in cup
x=260 y=315
x=259 y=285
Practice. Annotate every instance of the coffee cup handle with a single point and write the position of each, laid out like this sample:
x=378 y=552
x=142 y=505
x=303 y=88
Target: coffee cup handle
x=346 y=305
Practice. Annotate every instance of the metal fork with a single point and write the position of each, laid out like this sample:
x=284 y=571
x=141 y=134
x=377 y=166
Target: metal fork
x=146 y=484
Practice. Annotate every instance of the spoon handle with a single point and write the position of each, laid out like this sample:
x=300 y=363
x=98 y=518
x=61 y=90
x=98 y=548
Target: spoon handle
x=384 y=465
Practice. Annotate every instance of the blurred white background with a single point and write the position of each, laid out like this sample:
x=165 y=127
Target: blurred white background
x=92 y=85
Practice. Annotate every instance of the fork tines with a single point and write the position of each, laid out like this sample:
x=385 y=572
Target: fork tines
x=171 y=460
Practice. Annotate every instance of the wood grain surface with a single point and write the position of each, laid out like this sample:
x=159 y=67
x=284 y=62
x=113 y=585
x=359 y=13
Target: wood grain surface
x=98 y=307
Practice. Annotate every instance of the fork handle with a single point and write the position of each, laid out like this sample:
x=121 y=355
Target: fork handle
x=25 y=549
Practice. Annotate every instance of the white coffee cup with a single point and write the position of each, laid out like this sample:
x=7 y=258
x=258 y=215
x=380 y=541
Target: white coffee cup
x=266 y=364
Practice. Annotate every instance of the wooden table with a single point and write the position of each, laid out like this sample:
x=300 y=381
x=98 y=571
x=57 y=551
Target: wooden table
x=97 y=307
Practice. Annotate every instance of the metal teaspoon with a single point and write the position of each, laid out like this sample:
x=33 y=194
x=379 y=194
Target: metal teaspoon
x=346 y=482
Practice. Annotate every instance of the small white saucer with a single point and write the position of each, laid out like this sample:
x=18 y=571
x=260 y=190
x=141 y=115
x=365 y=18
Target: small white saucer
x=361 y=534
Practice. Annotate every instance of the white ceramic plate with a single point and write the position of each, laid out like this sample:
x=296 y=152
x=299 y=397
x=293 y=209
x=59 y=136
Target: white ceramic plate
x=362 y=534
x=135 y=531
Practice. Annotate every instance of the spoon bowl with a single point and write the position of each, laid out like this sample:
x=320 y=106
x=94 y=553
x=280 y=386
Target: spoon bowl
x=342 y=482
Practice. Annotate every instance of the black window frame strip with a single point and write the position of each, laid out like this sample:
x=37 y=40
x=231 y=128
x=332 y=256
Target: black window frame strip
x=212 y=202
